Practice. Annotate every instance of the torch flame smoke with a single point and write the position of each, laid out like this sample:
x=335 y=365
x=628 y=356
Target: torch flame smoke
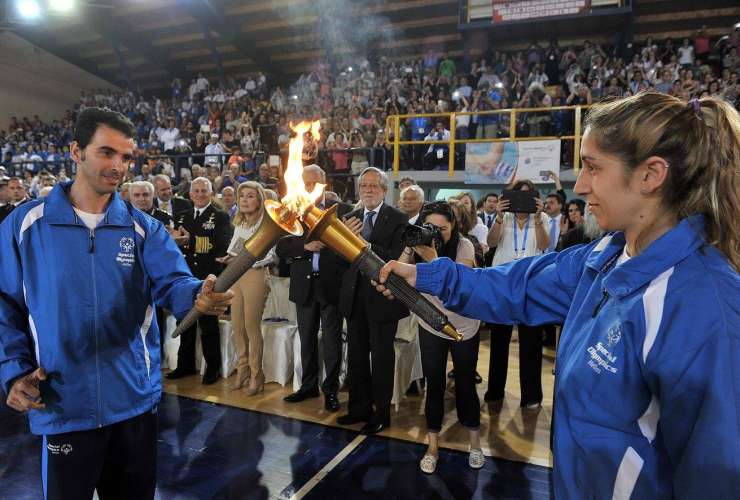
x=297 y=199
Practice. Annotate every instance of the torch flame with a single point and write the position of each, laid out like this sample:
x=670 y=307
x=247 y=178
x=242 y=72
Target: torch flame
x=297 y=199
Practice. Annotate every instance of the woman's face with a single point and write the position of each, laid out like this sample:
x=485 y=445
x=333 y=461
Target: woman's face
x=467 y=202
x=444 y=225
x=613 y=197
x=249 y=201
x=574 y=214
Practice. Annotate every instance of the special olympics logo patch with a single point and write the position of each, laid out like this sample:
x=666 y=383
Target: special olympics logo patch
x=127 y=245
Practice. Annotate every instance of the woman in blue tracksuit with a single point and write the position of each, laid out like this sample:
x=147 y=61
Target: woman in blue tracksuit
x=647 y=394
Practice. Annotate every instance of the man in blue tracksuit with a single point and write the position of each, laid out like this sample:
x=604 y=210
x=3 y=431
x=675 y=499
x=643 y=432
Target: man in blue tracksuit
x=80 y=275
x=647 y=394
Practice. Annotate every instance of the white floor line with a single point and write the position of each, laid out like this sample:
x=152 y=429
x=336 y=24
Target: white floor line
x=328 y=468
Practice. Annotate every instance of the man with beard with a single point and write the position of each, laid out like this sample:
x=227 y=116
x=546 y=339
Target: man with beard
x=79 y=349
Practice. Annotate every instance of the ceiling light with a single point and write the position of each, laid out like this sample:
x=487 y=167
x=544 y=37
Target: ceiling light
x=28 y=9
x=61 y=5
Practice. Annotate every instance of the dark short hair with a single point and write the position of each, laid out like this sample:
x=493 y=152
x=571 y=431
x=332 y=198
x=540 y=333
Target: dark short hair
x=556 y=196
x=90 y=119
x=490 y=194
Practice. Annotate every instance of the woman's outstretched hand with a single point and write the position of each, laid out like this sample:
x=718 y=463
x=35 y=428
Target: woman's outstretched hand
x=405 y=271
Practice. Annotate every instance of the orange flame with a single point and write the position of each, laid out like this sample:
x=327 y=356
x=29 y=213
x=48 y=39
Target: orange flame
x=297 y=199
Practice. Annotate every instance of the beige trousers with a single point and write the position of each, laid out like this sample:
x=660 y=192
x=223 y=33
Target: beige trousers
x=250 y=295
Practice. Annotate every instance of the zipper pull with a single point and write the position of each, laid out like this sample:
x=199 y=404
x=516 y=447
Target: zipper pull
x=604 y=298
x=91 y=247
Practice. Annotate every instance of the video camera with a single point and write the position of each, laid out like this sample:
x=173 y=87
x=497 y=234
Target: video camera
x=426 y=234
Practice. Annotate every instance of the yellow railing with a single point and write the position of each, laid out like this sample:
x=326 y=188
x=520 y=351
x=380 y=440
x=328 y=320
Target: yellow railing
x=393 y=123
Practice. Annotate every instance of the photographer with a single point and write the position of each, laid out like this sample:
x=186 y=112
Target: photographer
x=437 y=154
x=447 y=242
x=517 y=235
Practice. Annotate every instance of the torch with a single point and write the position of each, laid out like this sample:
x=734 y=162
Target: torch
x=283 y=219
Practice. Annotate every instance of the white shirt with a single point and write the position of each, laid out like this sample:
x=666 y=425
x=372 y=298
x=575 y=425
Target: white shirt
x=90 y=220
x=433 y=137
x=505 y=249
x=168 y=137
x=686 y=55
x=198 y=211
x=165 y=206
x=242 y=234
x=480 y=231
x=413 y=219
x=214 y=149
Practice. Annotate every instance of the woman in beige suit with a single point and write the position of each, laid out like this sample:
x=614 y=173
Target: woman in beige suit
x=250 y=292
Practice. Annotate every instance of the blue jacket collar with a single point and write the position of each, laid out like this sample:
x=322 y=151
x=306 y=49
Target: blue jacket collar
x=58 y=208
x=665 y=252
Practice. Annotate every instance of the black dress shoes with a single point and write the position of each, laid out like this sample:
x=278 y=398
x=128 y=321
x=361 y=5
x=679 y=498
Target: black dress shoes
x=375 y=425
x=302 y=395
x=178 y=373
x=331 y=403
x=211 y=377
x=350 y=419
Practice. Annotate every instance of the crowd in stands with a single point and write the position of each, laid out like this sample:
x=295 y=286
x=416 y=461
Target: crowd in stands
x=244 y=122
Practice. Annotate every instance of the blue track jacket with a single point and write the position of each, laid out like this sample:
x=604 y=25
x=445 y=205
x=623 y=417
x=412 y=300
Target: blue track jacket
x=647 y=392
x=80 y=304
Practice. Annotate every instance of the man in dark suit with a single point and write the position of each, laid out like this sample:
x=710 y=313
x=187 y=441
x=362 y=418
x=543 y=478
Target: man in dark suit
x=371 y=320
x=488 y=215
x=165 y=201
x=315 y=280
x=206 y=234
x=141 y=195
x=16 y=194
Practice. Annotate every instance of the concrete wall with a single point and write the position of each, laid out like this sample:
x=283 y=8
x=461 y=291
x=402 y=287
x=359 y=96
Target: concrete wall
x=35 y=82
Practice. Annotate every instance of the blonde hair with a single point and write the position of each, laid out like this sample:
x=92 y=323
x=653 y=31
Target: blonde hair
x=239 y=218
x=700 y=141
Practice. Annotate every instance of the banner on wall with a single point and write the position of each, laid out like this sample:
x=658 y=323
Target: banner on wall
x=506 y=162
x=522 y=10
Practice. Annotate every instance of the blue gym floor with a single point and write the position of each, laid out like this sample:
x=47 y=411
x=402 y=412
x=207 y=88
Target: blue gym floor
x=213 y=451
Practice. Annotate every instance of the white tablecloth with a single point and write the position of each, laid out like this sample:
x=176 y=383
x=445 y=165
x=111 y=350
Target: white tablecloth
x=228 y=348
x=408 y=357
x=278 y=353
x=278 y=306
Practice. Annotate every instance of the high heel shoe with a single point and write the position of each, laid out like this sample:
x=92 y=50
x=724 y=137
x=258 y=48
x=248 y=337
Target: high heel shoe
x=256 y=384
x=241 y=379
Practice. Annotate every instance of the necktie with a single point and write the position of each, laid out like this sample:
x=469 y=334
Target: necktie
x=553 y=235
x=166 y=207
x=197 y=213
x=367 y=229
x=316 y=255
x=489 y=220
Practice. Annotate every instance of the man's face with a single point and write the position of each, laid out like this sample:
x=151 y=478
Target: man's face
x=140 y=198
x=264 y=171
x=410 y=203
x=310 y=179
x=16 y=191
x=200 y=195
x=145 y=169
x=164 y=190
x=371 y=191
x=404 y=184
x=552 y=206
x=490 y=204
x=103 y=163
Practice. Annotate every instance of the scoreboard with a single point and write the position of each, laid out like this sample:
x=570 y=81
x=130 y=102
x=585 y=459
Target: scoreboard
x=482 y=13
